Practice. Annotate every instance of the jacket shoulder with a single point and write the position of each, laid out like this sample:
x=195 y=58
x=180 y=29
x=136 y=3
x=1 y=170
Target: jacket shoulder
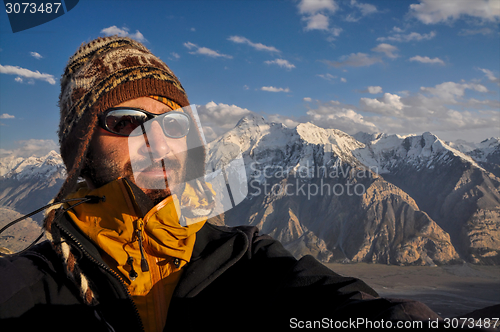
x=257 y=243
x=26 y=278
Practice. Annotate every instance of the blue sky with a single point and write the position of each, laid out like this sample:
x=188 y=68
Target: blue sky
x=399 y=67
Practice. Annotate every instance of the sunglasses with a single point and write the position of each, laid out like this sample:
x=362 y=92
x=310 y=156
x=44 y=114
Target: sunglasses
x=123 y=120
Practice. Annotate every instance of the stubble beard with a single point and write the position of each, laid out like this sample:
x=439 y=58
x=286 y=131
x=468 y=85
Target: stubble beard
x=102 y=171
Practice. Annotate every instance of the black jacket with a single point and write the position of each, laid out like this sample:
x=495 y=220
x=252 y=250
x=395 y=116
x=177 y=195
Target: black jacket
x=236 y=280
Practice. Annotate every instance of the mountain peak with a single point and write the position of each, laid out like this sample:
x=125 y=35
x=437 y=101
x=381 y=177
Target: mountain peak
x=251 y=119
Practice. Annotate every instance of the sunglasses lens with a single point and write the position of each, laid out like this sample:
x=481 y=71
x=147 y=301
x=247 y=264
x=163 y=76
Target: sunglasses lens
x=123 y=122
x=176 y=125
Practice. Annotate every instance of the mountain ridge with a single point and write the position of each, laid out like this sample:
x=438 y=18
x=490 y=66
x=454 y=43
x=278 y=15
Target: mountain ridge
x=389 y=219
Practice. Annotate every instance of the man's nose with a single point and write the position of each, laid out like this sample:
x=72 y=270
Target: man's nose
x=157 y=141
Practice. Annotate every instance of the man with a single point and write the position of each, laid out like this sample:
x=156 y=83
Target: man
x=120 y=259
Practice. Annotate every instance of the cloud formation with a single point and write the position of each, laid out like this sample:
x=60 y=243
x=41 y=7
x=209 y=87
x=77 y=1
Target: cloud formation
x=426 y=59
x=217 y=119
x=316 y=15
x=489 y=74
x=31 y=147
x=365 y=9
x=445 y=107
x=22 y=72
x=36 y=55
x=388 y=50
x=374 y=90
x=257 y=46
x=7 y=116
x=412 y=36
x=205 y=51
x=431 y=11
x=280 y=62
x=354 y=60
x=123 y=32
x=273 y=89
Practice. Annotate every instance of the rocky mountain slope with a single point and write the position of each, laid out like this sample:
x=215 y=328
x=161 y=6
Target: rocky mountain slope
x=29 y=183
x=309 y=190
x=20 y=235
x=453 y=187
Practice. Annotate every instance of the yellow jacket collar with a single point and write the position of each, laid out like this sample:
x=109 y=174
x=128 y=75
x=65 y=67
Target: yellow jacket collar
x=113 y=226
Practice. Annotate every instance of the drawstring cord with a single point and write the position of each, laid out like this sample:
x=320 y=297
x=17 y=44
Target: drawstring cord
x=87 y=199
x=130 y=260
x=144 y=262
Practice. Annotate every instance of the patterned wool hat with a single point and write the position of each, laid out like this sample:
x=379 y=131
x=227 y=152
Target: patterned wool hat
x=101 y=74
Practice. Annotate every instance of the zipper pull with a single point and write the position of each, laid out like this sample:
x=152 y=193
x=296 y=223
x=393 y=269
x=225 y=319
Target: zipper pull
x=132 y=274
x=144 y=262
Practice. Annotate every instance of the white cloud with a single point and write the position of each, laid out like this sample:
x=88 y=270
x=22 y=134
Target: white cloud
x=354 y=60
x=31 y=147
x=426 y=59
x=364 y=8
x=175 y=55
x=7 y=116
x=18 y=79
x=288 y=121
x=281 y=62
x=327 y=76
x=443 y=108
x=387 y=49
x=123 y=32
x=316 y=15
x=308 y=99
x=273 y=89
x=447 y=92
x=15 y=70
x=36 y=55
x=431 y=11
x=413 y=36
x=216 y=119
x=257 y=46
x=205 y=51
x=489 y=74
x=389 y=104
x=314 y=6
x=343 y=80
x=374 y=89
x=316 y=22
x=339 y=116
x=472 y=32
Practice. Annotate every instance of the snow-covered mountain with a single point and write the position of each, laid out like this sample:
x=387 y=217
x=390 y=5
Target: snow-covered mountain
x=369 y=197
x=388 y=152
x=269 y=147
x=310 y=190
x=32 y=167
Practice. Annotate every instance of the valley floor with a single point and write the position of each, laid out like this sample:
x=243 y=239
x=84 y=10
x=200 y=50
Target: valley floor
x=450 y=291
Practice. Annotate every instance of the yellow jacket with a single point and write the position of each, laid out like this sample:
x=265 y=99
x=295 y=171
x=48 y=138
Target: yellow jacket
x=117 y=228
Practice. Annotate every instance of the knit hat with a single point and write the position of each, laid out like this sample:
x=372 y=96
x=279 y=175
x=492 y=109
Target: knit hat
x=101 y=74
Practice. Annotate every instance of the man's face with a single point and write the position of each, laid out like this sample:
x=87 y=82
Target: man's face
x=111 y=156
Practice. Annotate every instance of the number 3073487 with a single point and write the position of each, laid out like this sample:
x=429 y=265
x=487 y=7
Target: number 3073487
x=32 y=8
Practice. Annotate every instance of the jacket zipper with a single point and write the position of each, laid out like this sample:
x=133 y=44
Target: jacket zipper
x=110 y=271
